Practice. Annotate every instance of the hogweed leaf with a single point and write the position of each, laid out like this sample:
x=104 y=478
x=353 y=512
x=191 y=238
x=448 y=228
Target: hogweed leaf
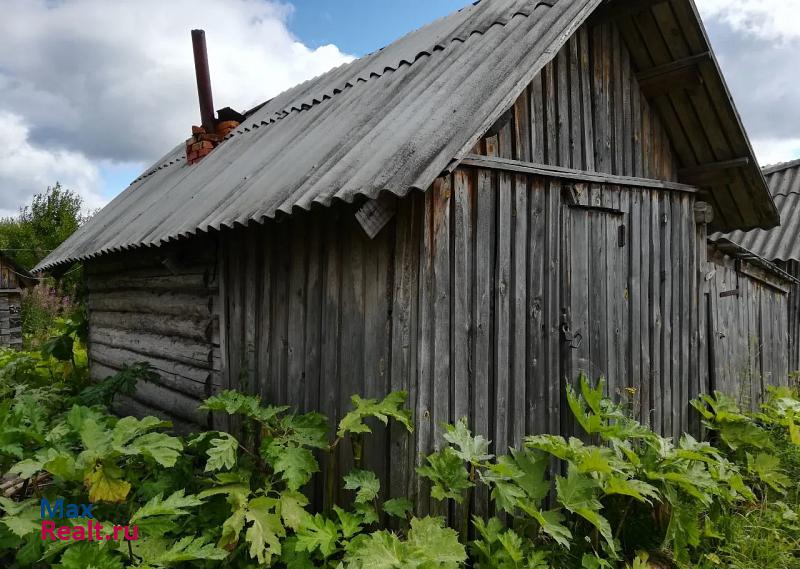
x=222 y=453
x=390 y=407
x=472 y=449
x=176 y=504
x=398 y=507
x=106 y=485
x=292 y=507
x=265 y=531
x=317 y=532
x=446 y=471
x=295 y=465
x=365 y=484
x=190 y=548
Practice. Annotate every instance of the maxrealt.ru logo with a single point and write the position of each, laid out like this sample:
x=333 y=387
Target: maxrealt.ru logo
x=91 y=531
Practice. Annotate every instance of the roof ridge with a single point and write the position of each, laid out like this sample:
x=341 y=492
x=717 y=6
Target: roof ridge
x=298 y=107
x=779 y=166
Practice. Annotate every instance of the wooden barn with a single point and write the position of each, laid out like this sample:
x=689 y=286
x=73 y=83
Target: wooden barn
x=758 y=326
x=476 y=213
x=13 y=279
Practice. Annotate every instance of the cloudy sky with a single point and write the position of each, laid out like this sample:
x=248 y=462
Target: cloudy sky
x=92 y=91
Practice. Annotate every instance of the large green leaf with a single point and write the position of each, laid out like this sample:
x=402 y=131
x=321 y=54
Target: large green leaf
x=295 y=465
x=176 y=504
x=469 y=448
x=317 y=533
x=265 y=531
x=222 y=453
x=390 y=406
x=447 y=473
x=365 y=484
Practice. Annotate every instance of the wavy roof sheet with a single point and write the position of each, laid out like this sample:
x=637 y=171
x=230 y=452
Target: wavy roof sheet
x=391 y=121
x=781 y=243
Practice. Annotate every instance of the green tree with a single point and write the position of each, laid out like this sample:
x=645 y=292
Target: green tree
x=40 y=227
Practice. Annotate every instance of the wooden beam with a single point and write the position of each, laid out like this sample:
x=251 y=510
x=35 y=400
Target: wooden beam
x=508 y=165
x=711 y=172
x=682 y=73
x=616 y=9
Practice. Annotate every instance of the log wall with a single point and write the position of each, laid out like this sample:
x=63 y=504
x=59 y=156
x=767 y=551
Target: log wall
x=158 y=306
x=749 y=328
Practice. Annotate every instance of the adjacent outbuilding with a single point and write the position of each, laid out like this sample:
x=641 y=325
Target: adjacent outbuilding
x=13 y=279
x=761 y=325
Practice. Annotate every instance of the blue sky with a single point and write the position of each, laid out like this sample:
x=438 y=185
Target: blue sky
x=359 y=27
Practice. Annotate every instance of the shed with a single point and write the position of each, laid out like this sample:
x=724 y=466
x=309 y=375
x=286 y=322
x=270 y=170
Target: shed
x=509 y=195
x=781 y=248
x=13 y=278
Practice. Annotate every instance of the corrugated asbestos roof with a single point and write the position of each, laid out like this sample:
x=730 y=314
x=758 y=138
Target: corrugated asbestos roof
x=781 y=243
x=391 y=121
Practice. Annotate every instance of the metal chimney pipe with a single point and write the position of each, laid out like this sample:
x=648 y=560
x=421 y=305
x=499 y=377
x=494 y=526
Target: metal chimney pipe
x=203 y=80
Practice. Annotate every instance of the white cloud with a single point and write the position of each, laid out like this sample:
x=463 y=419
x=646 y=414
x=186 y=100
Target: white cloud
x=772 y=151
x=26 y=169
x=767 y=19
x=757 y=42
x=114 y=81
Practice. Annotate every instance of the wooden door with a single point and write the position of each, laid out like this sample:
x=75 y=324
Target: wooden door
x=594 y=292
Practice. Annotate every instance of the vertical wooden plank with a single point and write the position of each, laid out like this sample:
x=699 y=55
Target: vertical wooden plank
x=587 y=110
x=461 y=321
x=550 y=98
x=626 y=108
x=635 y=292
x=425 y=363
x=598 y=307
x=522 y=127
x=615 y=285
x=250 y=275
x=295 y=336
x=352 y=319
x=617 y=99
x=377 y=325
x=235 y=294
x=575 y=114
x=538 y=120
x=441 y=307
x=502 y=314
x=668 y=267
x=264 y=308
x=276 y=390
x=219 y=421
x=519 y=328
x=537 y=379
x=645 y=311
x=405 y=314
x=552 y=304
x=677 y=233
x=331 y=337
x=313 y=313
x=484 y=245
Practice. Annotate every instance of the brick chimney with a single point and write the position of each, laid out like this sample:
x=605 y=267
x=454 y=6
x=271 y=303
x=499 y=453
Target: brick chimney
x=212 y=130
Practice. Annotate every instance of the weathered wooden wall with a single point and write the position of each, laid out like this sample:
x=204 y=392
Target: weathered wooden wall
x=793 y=268
x=460 y=300
x=585 y=111
x=158 y=306
x=10 y=304
x=749 y=328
